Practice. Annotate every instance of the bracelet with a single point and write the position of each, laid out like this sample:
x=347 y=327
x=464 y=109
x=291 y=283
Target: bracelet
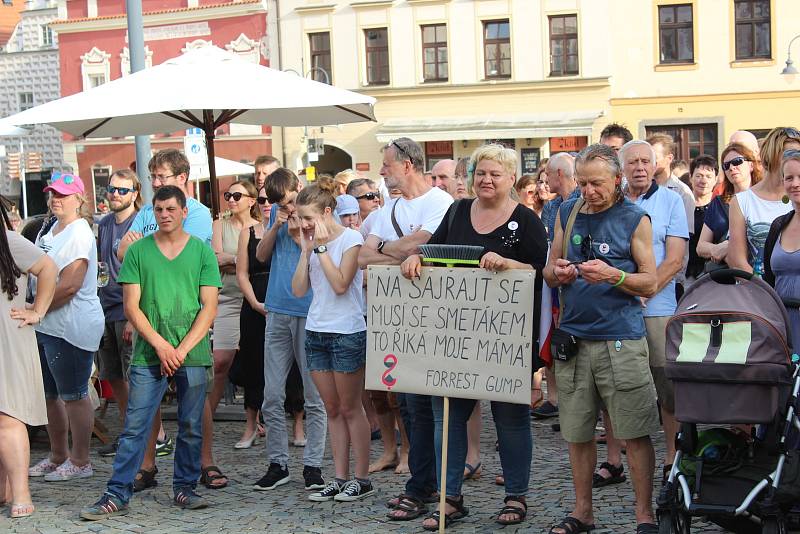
x=621 y=279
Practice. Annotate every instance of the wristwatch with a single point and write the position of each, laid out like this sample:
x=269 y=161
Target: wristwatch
x=322 y=249
x=380 y=247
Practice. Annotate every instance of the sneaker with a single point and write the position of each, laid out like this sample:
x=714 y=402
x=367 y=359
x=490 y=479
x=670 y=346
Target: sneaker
x=68 y=471
x=107 y=506
x=313 y=478
x=328 y=492
x=43 y=468
x=276 y=476
x=166 y=447
x=354 y=491
x=186 y=498
x=109 y=449
x=545 y=411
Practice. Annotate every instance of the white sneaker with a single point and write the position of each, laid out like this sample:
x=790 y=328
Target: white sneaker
x=68 y=471
x=43 y=468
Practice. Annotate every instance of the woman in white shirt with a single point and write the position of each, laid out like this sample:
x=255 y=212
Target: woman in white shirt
x=70 y=333
x=336 y=341
x=752 y=211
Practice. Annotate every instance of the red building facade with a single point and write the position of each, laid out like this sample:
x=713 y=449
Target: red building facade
x=93 y=49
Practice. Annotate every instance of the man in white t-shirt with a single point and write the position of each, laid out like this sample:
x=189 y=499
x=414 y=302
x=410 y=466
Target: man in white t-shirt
x=397 y=231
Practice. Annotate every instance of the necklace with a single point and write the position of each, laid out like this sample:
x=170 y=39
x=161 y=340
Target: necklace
x=492 y=224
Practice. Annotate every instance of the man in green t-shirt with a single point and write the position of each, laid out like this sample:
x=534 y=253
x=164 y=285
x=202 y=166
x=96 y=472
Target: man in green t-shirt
x=170 y=283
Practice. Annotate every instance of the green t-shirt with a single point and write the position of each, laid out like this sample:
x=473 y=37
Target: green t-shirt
x=170 y=297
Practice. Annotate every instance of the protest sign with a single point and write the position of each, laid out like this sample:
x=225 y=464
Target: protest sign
x=454 y=332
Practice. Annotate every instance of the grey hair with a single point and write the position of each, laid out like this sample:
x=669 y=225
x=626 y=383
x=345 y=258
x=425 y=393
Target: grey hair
x=358 y=182
x=408 y=150
x=563 y=162
x=603 y=153
x=637 y=142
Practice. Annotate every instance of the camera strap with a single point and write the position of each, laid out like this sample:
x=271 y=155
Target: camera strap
x=573 y=214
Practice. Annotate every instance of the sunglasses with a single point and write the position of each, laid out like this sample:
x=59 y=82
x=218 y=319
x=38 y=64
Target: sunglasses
x=792 y=133
x=586 y=250
x=237 y=196
x=261 y=200
x=735 y=162
x=368 y=196
x=66 y=178
x=791 y=153
x=402 y=150
x=121 y=190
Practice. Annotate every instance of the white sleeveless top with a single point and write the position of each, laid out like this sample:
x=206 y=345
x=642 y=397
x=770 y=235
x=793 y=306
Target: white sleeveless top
x=758 y=216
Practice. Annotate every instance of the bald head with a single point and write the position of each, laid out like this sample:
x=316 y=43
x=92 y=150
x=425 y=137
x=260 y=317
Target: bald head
x=745 y=138
x=560 y=171
x=444 y=174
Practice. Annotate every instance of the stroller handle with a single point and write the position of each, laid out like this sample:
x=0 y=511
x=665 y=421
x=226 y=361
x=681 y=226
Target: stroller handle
x=727 y=276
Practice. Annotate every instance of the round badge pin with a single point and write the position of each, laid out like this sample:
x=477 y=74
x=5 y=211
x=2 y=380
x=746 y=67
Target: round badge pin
x=513 y=225
x=577 y=239
x=603 y=248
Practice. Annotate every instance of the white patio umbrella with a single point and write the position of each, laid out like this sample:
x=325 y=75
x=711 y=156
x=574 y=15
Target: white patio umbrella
x=203 y=88
x=8 y=130
x=224 y=167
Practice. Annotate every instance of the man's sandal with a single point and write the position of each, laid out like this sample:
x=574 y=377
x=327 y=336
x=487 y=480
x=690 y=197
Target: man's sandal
x=520 y=513
x=145 y=479
x=572 y=525
x=617 y=476
x=460 y=512
x=410 y=506
x=210 y=474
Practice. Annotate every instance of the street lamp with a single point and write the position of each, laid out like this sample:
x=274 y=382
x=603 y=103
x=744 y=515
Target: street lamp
x=790 y=68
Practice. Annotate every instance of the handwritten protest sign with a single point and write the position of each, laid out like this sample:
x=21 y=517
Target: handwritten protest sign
x=453 y=332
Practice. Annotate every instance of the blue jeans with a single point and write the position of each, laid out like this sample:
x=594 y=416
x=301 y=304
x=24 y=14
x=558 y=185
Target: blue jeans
x=513 y=424
x=421 y=458
x=65 y=368
x=338 y=353
x=147 y=388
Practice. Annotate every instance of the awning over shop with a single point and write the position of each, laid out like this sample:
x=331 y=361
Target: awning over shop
x=561 y=124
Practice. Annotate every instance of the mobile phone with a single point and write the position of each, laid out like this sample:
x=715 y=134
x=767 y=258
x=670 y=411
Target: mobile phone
x=575 y=263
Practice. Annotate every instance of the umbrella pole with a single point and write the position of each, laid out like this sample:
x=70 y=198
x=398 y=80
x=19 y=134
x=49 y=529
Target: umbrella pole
x=208 y=120
x=443 y=475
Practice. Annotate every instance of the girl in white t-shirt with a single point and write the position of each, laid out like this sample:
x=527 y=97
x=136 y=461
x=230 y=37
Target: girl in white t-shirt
x=335 y=334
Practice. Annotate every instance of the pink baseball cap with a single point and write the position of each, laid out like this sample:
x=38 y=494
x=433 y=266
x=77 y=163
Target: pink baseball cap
x=65 y=184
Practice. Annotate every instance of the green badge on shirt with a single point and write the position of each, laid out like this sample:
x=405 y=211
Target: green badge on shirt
x=577 y=239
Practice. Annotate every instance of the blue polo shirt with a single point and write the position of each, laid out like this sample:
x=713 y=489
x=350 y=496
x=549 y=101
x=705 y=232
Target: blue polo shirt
x=668 y=217
x=197 y=221
x=550 y=211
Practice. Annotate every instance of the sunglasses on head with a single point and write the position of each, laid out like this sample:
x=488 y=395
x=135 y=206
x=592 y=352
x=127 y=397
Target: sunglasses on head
x=261 y=200
x=401 y=150
x=66 y=178
x=792 y=133
x=237 y=196
x=792 y=152
x=368 y=196
x=122 y=191
x=735 y=162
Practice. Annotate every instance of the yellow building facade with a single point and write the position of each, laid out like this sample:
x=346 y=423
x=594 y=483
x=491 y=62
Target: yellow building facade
x=540 y=76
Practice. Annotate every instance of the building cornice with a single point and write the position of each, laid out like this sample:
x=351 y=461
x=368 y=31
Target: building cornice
x=321 y=8
x=157 y=18
x=367 y=4
x=714 y=97
x=418 y=2
x=484 y=87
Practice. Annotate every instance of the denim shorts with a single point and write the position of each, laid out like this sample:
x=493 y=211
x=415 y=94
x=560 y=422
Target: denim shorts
x=66 y=369
x=342 y=353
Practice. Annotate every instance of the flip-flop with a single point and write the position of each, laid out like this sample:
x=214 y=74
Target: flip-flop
x=473 y=472
x=21 y=510
x=572 y=525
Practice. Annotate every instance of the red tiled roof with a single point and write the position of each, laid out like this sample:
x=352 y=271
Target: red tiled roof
x=176 y=10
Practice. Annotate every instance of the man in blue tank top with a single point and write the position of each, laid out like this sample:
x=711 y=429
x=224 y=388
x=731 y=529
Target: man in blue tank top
x=602 y=260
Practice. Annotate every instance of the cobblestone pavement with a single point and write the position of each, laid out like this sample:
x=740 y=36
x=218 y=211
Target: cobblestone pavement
x=238 y=508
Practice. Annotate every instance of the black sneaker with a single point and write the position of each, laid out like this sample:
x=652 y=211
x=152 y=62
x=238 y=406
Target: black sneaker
x=354 y=491
x=166 y=447
x=109 y=449
x=313 y=478
x=276 y=476
x=545 y=411
x=327 y=493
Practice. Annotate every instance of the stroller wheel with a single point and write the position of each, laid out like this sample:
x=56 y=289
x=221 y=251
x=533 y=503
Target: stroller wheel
x=773 y=526
x=674 y=522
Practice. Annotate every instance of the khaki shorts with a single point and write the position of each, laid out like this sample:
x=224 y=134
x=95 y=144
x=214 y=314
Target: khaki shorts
x=657 y=345
x=601 y=375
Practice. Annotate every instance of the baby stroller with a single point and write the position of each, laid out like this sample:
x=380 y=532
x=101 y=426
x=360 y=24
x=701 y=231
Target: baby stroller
x=728 y=357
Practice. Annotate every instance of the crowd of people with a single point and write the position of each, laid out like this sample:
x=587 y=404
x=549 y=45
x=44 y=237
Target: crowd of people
x=614 y=234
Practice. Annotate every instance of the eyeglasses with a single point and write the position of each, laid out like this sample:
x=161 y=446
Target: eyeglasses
x=735 y=162
x=261 y=200
x=122 y=191
x=154 y=177
x=66 y=178
x=237 y=196
x=368 y=196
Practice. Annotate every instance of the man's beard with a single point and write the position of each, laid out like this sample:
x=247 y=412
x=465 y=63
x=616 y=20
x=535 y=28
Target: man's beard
x=122 y=207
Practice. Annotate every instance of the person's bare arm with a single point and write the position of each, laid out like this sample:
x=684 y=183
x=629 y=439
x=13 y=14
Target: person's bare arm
x=369 y=255
x=170 y=360
x=558 y=272
x=737 y=243
x=342 y=276
x=70 y=280
x=705 y=243
x=46 y=272
x=673 y=261
x=267 y=243
x=127 y=240
x=406 y=245
x=301 y=280
x=226 y=262
x=209 y=298
x=243 y=273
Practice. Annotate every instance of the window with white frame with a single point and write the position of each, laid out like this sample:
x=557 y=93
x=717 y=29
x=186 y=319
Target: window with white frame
x=46 y=35
x=25 y=101
x=95 y=68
